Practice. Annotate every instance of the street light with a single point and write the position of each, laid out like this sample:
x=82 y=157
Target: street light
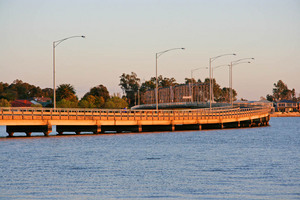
x=157 y=55
x=192 y=80
x=233 y=63
x=210 y=73
x=55 y=44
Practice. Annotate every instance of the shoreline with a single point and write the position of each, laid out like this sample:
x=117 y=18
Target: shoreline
x=280 y=114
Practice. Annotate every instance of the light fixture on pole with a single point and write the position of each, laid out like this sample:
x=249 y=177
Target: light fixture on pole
x=233 y=63
x=210 y=73
x=192 y=80
x=55 y=44
x=157 y=55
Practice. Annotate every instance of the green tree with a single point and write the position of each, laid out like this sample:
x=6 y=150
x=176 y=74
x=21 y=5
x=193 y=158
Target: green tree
x=64 y=103
x=1 y=87
x=67 y=92
x=85 y=104
x=189 y=80
x=217 y=91
x=9 y=94
x=96 y=97
x=162 y=82
x=270 y=97
x=21 y=90
x=129 y=82
x=225 y=95
x=130 y=85
x=91 y=101
x=167 y=82
x=221 y=94
x=4 y=103
x=148 y=85
x=35 y=92
x=99 y=91
x=47 y=92
x=281 y=92
x=116 y=103
x=25 y=90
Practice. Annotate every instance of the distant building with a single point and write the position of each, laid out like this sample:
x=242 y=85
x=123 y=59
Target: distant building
x=287 y=106
x=21 y=103
x=44 y=101
x=178 y=93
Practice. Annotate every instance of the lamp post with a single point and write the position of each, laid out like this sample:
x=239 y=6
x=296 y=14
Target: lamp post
x=157 y=55
x=55 y=44
x=210 y=73
x=233 y=63
x=138 y=93
x=192 y=80
x=139 y=99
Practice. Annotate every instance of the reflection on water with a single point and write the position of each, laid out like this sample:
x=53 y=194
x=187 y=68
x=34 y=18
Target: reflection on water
x=256 y=163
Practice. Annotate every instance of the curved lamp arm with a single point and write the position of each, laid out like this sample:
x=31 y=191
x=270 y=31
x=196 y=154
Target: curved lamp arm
x=233 y=64
x=228 y=54
x=236 y=61
x=56 y=43
x=162 y=52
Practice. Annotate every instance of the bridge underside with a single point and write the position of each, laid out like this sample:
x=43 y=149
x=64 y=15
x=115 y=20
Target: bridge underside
x=119 y=126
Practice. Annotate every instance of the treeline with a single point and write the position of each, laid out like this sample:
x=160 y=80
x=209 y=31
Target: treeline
x=131 y=86
x=97 y=97
x=282 y=92
x=20 y=90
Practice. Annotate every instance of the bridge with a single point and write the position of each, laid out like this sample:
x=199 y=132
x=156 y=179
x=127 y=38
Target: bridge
x=97 y=121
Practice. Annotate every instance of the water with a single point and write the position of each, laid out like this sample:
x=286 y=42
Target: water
x=255 y=163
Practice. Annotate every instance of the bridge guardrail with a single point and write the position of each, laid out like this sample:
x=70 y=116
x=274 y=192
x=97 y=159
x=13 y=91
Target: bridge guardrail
x=13 y=113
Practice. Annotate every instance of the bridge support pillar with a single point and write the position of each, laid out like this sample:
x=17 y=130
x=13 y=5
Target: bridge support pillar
x=251 y=123
x=28 y=134
x=260 y=122
x=172 y=127
x=140 y=129
x=49 y=127
x=10 y=134
x=98 y=129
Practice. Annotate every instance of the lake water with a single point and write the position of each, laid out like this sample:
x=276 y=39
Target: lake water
x=254 y=163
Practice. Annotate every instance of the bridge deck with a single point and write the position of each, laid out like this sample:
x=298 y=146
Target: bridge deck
x=97 y=117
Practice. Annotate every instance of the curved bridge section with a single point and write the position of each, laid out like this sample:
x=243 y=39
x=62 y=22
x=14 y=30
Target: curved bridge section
x=30 y=120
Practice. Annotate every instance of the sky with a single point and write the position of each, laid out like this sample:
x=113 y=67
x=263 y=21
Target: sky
x=122 y=36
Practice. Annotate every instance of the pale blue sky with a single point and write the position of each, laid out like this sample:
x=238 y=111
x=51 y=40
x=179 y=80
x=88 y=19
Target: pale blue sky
x=123 y=36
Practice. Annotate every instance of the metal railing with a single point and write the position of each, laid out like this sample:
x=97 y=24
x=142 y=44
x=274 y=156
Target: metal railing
x=26 y=113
